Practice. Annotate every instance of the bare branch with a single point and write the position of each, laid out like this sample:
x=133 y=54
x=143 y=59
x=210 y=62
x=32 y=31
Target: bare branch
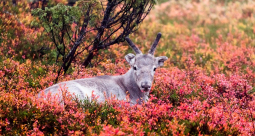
x=54 y=41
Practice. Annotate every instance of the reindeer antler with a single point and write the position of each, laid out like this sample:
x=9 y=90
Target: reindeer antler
x=132 y=45
x=154 y=45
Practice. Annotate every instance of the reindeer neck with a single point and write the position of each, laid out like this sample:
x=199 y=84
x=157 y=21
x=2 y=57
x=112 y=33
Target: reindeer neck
x=128 y=83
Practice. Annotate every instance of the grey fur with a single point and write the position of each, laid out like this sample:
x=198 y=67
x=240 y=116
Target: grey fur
x=136 y=83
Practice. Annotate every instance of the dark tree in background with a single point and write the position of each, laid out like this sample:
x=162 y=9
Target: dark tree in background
x=98 y=25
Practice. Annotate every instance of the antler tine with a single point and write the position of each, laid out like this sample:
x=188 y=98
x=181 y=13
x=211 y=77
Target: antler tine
x=154 y=45
x=132 y=45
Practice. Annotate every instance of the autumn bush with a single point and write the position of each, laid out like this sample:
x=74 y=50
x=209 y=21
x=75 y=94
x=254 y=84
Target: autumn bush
x=205 y=88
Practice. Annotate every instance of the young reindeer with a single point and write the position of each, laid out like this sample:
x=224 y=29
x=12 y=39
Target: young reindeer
x=136 y=83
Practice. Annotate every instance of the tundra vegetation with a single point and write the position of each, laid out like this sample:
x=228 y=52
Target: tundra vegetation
x=205 y=88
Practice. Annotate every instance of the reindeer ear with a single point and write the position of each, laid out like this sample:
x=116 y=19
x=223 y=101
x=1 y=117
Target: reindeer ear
x=130 y=58
x=160 y=60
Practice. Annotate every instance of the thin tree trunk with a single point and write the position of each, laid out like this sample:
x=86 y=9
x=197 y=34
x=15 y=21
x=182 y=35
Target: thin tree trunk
x=100 y=32
x=88 y=59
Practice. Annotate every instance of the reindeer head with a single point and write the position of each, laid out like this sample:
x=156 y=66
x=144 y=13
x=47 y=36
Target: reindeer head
x=143 y=66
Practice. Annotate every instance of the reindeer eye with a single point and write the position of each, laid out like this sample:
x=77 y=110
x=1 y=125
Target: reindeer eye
x=154 y=69
x=134 y=68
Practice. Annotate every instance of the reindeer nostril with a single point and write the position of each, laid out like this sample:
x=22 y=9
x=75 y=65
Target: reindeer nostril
x=145 y=86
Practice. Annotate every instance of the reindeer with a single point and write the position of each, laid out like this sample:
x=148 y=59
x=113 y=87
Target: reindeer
x=136 y=83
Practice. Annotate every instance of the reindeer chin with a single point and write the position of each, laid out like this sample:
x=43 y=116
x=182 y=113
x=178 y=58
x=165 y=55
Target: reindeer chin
x=144 y=90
